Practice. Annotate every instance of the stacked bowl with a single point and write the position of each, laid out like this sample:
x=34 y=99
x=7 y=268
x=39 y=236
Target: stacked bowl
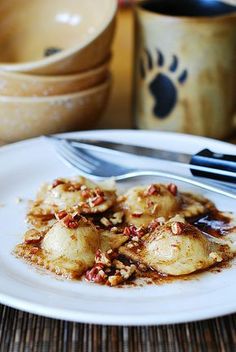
x=54 y=65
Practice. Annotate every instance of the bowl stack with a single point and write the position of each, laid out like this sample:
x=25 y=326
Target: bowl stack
x=54 y=65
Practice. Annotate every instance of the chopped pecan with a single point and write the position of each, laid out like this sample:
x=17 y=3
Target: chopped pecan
x=34 y=250
x=161 y=220
x=99 y=192
x=135 y=238
x=127 y=231
x=153 y=225
x=127 y=271
x=33 y=237
x=61 y=214
x=85 y=193
x=130 y=245
x=117 y=217
x=71 y=222
x=142 y=267
x=216 y=256
x=152 y=190
x=137 y=214
x=96 y=274
x=172 y=188
x=150 y=203
x=140 y=231
x=177 y=227
x=105 y=222
x=102 y=258
x=114 y=280
x=85 y=206
x=98 y=200
x=132 y=231
x=73 y=187
x=156 y=223
x=57 y=183
x=121 y=275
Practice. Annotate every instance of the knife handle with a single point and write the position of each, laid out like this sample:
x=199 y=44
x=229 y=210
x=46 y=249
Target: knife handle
x=216 y=161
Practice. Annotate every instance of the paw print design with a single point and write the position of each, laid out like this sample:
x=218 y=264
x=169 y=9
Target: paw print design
x=162 y=81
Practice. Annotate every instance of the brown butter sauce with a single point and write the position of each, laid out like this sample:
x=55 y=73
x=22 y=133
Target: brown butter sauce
x=213 y=223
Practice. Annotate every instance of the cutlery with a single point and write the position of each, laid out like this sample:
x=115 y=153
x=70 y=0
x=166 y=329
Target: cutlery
x=205 y=163
x=90 y=165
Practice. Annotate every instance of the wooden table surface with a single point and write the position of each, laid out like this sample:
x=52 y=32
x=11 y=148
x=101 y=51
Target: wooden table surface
x=25 y=332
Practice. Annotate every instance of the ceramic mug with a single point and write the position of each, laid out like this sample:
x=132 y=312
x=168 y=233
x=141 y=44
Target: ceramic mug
x=185 y=66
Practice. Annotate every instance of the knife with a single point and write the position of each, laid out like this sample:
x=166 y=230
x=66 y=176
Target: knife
x=205 y=163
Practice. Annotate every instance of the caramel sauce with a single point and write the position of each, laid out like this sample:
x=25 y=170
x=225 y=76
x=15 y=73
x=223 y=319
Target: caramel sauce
x=152 y=277
x=213 y=223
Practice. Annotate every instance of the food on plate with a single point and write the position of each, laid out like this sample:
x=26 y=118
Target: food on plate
x=143 y=204
x=176 y=248
x=80 y=229
x=78 y=194
x=67 y=248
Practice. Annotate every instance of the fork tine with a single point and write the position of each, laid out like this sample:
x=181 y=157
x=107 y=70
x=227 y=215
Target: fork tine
x=87 y=157
x=71 y=161
x=73 y=157
x=79 y=158
x=87 y=162
x=78 y=154
x=83 y=156
x=82 y=152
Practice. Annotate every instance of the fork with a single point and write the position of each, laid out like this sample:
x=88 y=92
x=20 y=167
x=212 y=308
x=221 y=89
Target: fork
x=82 y=158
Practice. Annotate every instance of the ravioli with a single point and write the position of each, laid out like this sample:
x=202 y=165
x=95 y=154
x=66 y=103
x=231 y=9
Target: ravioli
x=143 y=204
x=176 y=248
x=194 y=205
x=81 y=229
x=67 y=248
x=112 y=240
x=77 y=194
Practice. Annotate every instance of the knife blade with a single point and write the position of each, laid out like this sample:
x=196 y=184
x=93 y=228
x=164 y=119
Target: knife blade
x=205 y=163
x=139 y=150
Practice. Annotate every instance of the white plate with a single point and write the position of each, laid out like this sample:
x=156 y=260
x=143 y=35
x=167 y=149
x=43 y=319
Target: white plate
x=24 y=166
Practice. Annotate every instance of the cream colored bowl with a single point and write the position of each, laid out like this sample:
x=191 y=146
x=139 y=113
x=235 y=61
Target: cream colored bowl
x=29 y=117
x=20 y=85
x=81 y=29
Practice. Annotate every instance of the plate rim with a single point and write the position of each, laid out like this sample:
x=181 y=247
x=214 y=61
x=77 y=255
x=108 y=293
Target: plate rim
x=114 y=131
x=109 y=319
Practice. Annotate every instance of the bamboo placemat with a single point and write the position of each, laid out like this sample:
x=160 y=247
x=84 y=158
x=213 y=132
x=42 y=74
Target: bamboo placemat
x=23 y=332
